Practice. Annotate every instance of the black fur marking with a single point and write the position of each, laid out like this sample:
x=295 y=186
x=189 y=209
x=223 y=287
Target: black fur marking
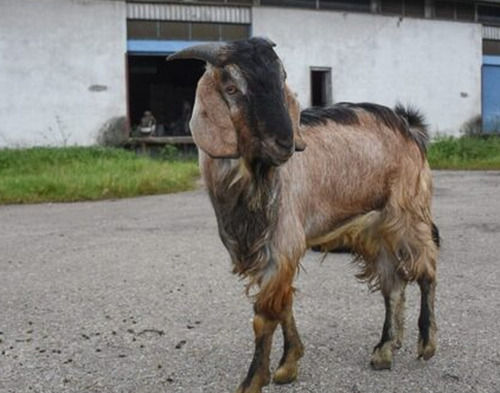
x=266 y=109
x=435 y=235
x=339 y=114
x=345 y=113
x=386 y=330
x=246 y=227
x=256 y=361
x=409 y=121
x=424 y=320
x=417 y=128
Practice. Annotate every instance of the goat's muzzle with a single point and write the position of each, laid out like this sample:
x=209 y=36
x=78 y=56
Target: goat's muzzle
x=277 y=151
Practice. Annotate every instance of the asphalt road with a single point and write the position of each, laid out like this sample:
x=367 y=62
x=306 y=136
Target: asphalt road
x=136 y=295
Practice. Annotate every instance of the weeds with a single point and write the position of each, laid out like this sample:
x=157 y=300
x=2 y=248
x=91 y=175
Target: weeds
x=466 y=152
x=91 y=173
x=82 y=173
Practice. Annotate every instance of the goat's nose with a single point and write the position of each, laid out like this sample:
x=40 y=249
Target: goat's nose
x=286 y=144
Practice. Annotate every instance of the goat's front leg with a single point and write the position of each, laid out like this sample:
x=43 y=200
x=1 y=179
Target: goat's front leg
x=293 y=350
x=258 y=373
x=273 y=306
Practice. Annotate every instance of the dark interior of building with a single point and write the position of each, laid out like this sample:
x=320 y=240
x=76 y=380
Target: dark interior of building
x=166 y=89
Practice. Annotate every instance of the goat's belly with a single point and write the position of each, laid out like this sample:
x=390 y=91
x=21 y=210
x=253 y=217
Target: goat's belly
x=346 y=233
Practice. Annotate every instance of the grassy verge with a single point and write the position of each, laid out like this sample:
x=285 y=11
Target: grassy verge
x=91 y=173
x=465 y=153
x=88 y=173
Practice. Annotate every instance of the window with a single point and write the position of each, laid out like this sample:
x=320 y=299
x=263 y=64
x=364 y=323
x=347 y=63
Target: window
x=465 y=11
x=353 y=5
x=392 y=7
x=415 y=8
x=166 y=30
x=142 y=29
x=454 y=10
x=205 y=31
x=347 y=5
x=248 y=2
x=321 y=86
x=290 y=3
x=174 y=31
x=228 y=2
x=489 y=14
x=234 y=32
x=444 y=10
x=491 y=47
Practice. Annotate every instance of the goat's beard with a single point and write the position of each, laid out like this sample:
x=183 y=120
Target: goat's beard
x=247 y=214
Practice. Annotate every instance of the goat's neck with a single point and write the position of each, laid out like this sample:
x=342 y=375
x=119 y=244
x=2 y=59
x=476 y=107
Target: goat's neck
x=246 y=202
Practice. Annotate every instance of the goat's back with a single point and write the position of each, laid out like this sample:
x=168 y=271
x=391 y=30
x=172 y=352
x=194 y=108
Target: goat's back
x=349 y=170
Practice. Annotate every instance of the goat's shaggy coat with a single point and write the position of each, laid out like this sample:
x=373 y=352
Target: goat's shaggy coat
x=362 y=182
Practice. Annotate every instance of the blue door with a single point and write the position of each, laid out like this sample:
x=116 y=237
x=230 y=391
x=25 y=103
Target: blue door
x=491 y=93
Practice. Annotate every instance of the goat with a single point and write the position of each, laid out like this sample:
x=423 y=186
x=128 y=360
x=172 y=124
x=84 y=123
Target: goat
x=281 y=181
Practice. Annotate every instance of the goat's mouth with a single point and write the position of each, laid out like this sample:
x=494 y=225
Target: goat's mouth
x=276 y=154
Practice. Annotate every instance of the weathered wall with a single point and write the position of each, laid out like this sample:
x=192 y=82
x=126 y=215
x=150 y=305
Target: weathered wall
x=435 y=65
x=62 y=64
x=62 y=70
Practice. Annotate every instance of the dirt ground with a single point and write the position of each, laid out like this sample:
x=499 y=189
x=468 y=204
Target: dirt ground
x=136 y=295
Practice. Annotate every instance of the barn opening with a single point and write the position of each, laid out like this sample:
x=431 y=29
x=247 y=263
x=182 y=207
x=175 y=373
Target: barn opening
x=166 y=89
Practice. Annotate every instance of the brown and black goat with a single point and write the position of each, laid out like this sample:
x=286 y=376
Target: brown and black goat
x=361 y=181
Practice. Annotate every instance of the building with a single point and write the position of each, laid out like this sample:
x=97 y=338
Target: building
x=70 y=69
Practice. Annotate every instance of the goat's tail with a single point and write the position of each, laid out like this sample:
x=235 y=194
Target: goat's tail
x=417 y=127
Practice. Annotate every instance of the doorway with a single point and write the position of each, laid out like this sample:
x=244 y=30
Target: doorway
x=167 y=89
x=321 y=86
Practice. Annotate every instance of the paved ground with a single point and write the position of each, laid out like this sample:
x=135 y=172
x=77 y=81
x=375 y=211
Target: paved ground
x=136 y=296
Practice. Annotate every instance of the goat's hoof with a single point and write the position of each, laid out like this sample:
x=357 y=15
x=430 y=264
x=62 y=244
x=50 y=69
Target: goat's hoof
x=426 y=351
x=397 y=344
x=255 y=384
x=382 y=357
x=250 y=389
x=285 y=374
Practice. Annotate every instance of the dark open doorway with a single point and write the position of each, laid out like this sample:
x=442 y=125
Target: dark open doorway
x=321 y=86
x=166 y=89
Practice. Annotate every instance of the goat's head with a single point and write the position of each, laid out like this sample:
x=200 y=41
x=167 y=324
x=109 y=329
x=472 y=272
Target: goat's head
x=243 y=107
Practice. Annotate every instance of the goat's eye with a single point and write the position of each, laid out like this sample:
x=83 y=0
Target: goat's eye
x=231 y=89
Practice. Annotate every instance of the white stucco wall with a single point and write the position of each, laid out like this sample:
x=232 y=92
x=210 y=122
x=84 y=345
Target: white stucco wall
x=434 y=65
x=51 y=54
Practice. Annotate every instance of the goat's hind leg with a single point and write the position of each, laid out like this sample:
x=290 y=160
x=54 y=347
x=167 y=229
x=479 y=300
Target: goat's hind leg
x=293 y=349
x=426 y=321
x=399 y=317
x=427 y=341
x=393 y=291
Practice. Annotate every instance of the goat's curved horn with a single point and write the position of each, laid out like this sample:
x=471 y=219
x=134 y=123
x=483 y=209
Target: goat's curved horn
x=269 y=41
x=207 y=52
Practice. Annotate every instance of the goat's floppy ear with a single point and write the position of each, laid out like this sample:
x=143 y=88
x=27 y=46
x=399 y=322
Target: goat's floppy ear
x=294 y=110
x=211 y=126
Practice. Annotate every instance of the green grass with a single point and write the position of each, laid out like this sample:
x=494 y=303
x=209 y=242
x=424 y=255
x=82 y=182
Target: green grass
x=88 y=173
x=91 y=173
x=467 y=152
